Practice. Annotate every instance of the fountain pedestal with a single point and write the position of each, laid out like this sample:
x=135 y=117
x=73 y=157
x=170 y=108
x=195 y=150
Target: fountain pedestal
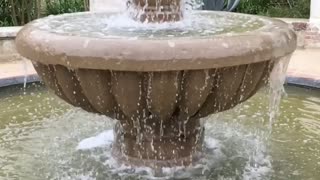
x=157 y=11
x=157 y=145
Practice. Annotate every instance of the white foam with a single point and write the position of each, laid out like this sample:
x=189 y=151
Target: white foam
x=212 y=143
x=103 y=139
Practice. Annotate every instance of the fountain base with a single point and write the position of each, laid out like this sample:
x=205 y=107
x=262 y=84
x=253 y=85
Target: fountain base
x=153 y=14
x=159 y=17
x=156 y=151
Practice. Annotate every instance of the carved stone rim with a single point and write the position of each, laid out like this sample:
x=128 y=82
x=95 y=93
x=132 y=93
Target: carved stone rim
x=273 y=40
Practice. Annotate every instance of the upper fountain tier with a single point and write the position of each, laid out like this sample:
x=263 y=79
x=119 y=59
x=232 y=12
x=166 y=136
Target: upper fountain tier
x=202 y=40
x=157 y=10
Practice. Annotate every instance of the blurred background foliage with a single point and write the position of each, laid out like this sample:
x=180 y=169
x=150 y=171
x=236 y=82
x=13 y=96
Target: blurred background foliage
x=20 y=12
x=65 y=6
x=276 y=8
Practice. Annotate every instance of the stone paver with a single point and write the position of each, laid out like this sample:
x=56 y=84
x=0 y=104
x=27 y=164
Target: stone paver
x=304 y=69
x=16 y=72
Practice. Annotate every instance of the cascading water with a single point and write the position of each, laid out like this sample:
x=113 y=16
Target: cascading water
x=277 y=80
x=25 y=69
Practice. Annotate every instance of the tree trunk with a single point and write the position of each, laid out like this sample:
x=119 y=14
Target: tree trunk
x=38 y=8
x=86 y=5
x=13 y=13
x=23 y=11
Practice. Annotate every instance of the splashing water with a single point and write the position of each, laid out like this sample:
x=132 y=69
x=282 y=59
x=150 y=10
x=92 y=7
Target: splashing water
x=187 y=6
x=220 y=139
x=104 y=139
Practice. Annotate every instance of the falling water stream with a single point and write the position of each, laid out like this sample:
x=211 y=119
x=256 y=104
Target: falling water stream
x=277 y=80
x=25 y=72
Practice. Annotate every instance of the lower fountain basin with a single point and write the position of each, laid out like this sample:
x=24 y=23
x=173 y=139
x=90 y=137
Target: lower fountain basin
x=42 y=137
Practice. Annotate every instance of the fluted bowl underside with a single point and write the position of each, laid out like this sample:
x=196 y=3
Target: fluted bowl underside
x=165 y=96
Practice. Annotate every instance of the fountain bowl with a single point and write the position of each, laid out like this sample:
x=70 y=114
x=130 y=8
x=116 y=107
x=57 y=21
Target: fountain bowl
x=157 y=87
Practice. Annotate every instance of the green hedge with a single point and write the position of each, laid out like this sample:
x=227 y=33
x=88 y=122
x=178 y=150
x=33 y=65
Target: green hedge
x=20 y=12
x=65 y=6
x=5 y=19
x=276 y=8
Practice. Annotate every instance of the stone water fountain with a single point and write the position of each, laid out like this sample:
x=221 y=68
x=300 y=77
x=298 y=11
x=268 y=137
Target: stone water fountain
x=158 y=83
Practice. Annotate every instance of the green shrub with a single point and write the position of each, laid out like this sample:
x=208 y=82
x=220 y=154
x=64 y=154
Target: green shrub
x=253 y=6
x=299 y=9
x=65 y=6
x=5 y=18
x=20 y=12
x=276 y=8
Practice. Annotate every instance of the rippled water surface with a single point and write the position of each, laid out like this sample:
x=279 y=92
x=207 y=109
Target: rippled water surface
x=200 y=24
x=41 y=137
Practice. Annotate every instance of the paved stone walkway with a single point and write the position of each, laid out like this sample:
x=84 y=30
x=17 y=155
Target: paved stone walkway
x=304 y=69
